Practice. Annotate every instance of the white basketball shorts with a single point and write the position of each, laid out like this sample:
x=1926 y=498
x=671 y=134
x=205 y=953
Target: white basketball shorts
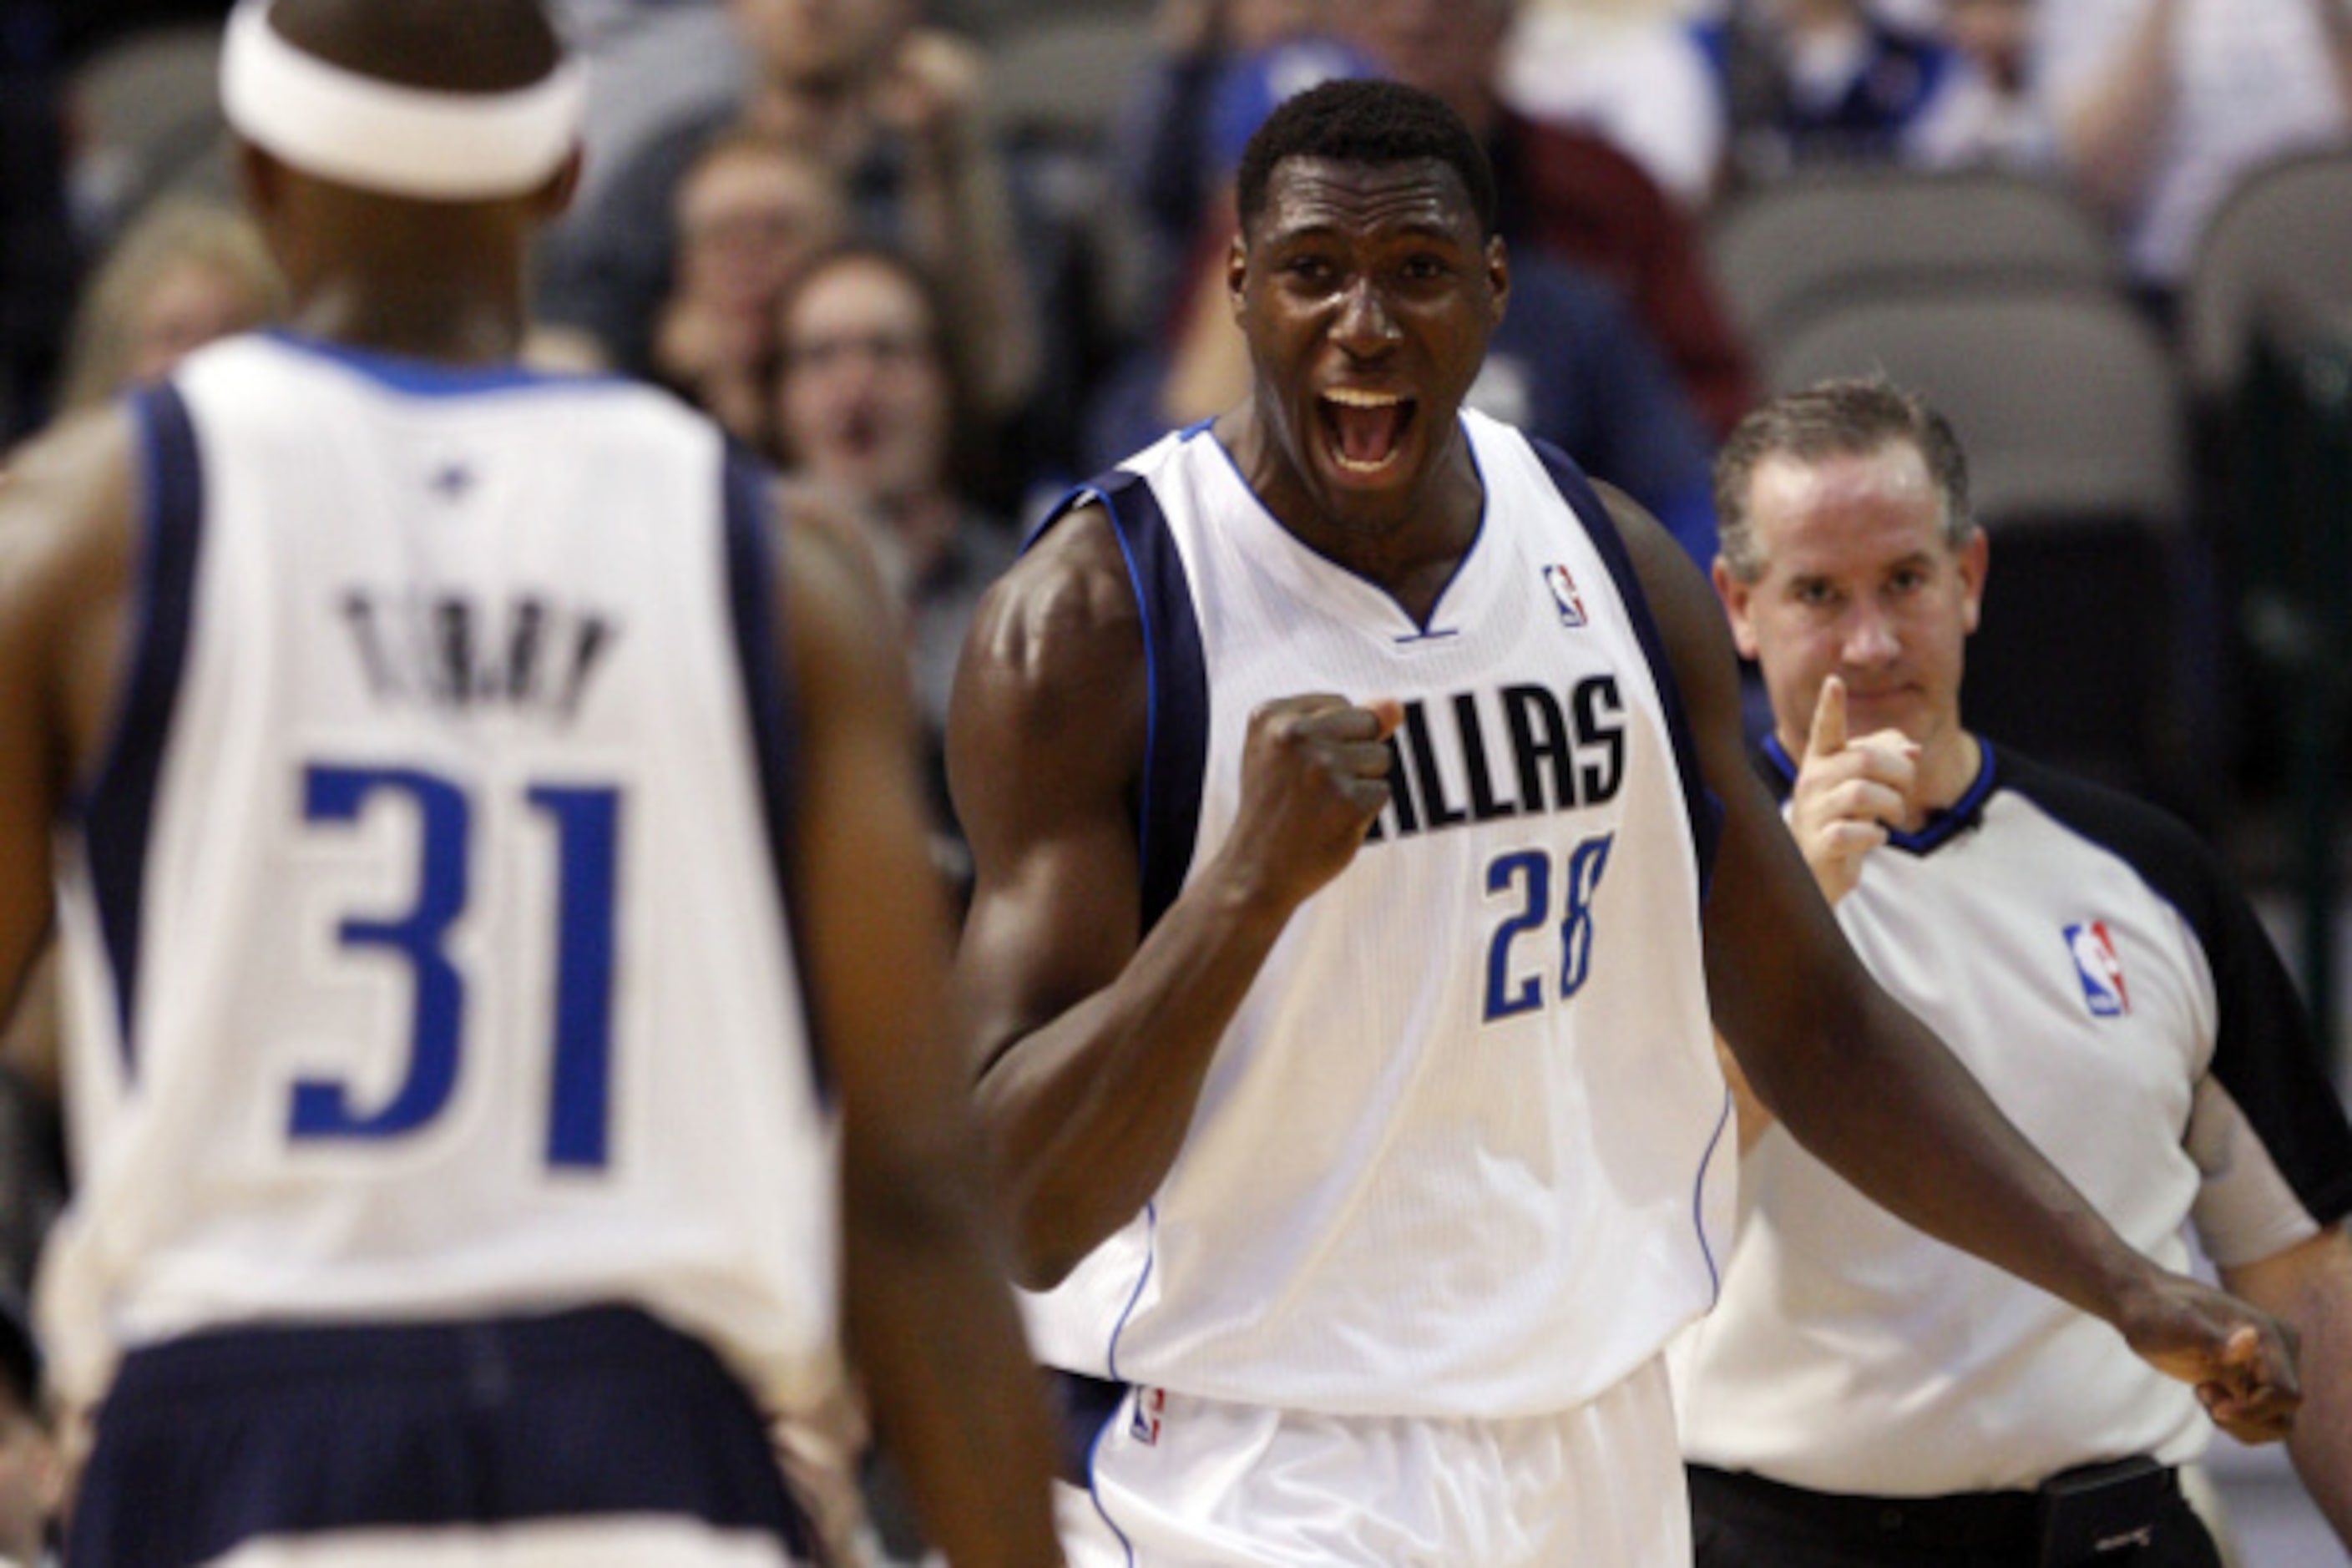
x=1180 y=1482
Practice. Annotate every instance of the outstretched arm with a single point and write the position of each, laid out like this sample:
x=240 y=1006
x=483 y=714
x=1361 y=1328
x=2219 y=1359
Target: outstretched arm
x=1848 y=795
x=1092 y=1039
x=2310 y=1287
x=1876 y=1096
x=930 y=1321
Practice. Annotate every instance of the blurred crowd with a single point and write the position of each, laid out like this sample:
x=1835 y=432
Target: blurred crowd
x=950 y=256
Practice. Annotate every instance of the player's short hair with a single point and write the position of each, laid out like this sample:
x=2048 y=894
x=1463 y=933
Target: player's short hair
x=1366 y=121
x=1851 y=417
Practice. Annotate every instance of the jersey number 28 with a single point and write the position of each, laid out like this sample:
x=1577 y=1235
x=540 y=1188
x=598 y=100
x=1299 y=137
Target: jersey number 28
x=1526 y=874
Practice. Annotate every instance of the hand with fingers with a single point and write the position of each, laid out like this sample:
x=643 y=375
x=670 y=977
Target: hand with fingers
x=931 y=90
x=1314 y=776
x=1849 y=794
x=2241 y=1359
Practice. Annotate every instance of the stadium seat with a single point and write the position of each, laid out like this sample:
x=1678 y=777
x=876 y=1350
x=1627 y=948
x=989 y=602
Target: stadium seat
x=2287 y=227
x=1783 y=252
x=1062 y=78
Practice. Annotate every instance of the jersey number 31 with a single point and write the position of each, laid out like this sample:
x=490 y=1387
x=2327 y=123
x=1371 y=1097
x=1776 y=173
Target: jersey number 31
x=586 y=825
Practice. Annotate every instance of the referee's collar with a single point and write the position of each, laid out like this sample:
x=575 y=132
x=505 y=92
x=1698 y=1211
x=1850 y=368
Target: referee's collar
x=1943 y=824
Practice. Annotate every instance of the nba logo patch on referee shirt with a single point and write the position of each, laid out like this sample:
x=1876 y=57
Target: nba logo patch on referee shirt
x=2101 y=970
x=1564 y=594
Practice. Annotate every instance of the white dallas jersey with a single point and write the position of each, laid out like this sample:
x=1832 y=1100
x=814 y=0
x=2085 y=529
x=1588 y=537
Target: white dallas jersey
x=427 y=952
x=1463 y=1150
x=2088 y=961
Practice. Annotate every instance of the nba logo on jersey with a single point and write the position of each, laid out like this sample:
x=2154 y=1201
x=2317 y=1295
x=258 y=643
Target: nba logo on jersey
x=2101 y=972
x=1564 y=594
x=1148 y=1405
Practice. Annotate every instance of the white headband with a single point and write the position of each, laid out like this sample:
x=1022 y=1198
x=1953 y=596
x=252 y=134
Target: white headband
x=399 y=140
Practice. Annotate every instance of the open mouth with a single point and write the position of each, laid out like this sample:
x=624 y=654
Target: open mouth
x=1365 y=430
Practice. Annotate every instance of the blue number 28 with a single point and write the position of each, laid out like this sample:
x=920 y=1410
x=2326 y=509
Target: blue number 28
x=586 y=823
x=1527 y=875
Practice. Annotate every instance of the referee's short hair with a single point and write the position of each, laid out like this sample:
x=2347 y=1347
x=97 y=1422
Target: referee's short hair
x=1852 y=418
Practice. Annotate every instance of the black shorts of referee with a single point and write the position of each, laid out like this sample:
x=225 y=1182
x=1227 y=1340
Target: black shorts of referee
x=1743 y=1520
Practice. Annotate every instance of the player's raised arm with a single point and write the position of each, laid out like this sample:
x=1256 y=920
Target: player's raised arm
x=1092 y=1039
x=1867 y=1089
x=927 y=1304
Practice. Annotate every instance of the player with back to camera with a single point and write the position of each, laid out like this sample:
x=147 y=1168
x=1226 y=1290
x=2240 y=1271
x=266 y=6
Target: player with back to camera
x=1365 y=837
x=506 y=1054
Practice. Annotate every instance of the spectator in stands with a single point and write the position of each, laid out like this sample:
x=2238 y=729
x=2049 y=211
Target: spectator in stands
x=1566 y=190
x=185 y=271
x=1569 y=363
x=650 y=62
x=1990 y=113
x=1632 y=70
x=1815 y=82
x=1163 y=154
x=749 y=210
x=2161 y=106
x=893 y=108
x=868 y=403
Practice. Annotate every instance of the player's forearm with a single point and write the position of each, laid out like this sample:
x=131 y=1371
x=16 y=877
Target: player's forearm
x=929 y=1309
x=2310 y=1286
x=1087 y=1113
x=2321 y=1447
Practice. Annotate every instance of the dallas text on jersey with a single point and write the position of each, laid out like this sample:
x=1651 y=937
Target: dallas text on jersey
x=1564 y=756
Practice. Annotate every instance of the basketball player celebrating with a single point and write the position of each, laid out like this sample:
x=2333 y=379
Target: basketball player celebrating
x=1363 y=831
x=490 y=849
x=1862 y=1394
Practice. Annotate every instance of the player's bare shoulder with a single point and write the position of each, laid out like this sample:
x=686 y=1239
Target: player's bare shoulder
x=1055 y=654
x=69 y=544
x=68 y=499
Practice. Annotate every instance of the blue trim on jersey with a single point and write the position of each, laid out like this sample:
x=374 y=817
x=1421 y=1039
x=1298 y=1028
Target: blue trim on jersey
x=1423 y=628
x=1176 y=676
x=1093 y=1487
x=1110 y=1358
x=1150 y=1257
x=219 y=1439
x=767 y=691
x=1702 y=807
x=1698 y=1202
x=117 y=813
x=1943 y=824
x=1062 y=507
x=431 y=378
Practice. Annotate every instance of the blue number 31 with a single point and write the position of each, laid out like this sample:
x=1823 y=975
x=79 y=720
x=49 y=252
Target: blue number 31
x=1529 y=872
x=586 y=824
